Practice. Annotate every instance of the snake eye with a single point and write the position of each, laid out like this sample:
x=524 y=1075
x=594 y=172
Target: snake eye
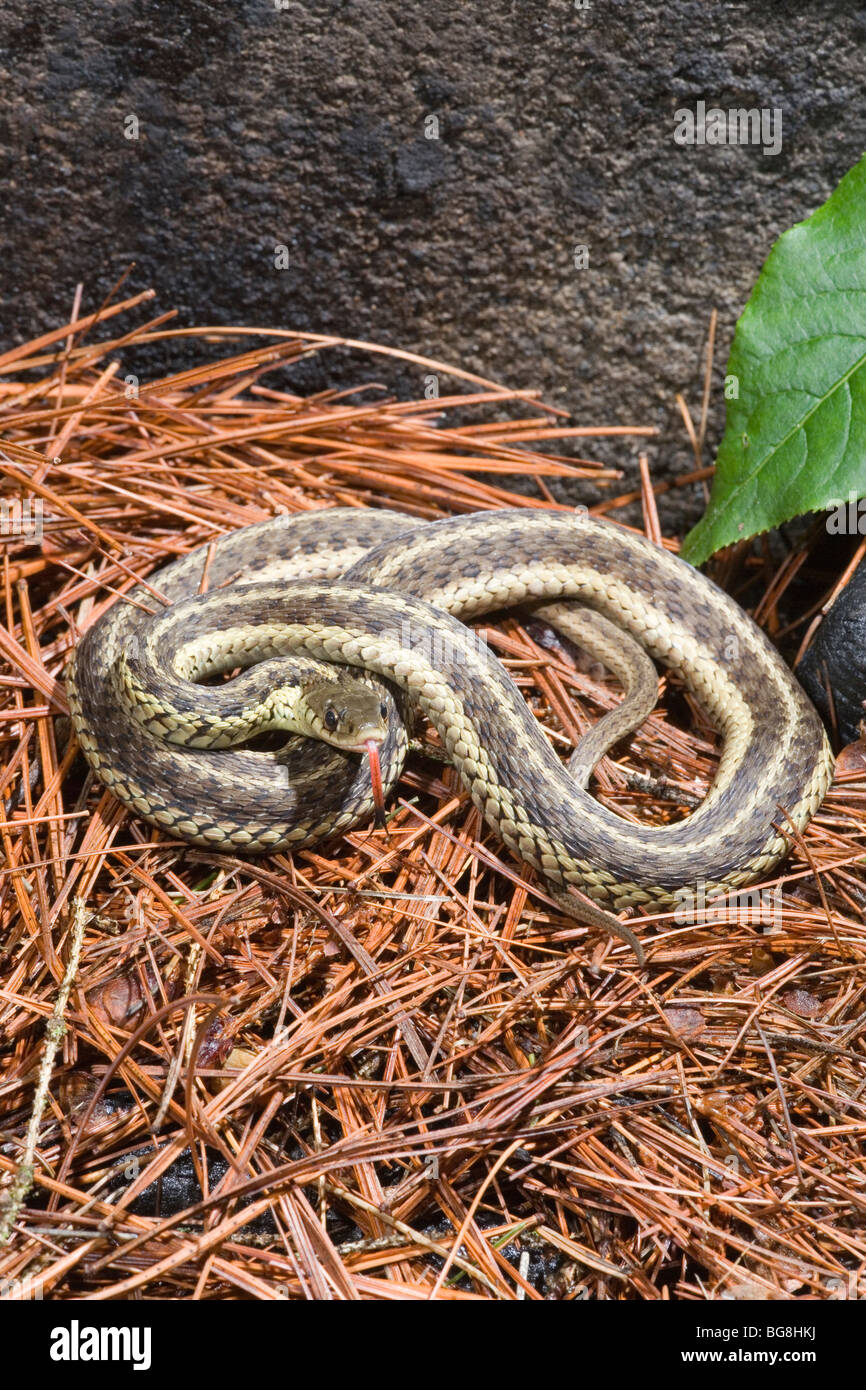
x=383 y=710
x=331 y=720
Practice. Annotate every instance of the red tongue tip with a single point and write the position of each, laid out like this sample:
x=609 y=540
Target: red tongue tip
x=376 y=782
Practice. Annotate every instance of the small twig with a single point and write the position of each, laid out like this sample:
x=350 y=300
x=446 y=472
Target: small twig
x=55 y=1030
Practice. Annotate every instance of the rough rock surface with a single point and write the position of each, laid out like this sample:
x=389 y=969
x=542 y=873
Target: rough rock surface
x=274 y=123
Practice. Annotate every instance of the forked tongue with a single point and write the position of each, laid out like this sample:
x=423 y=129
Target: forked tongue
x=376 y=782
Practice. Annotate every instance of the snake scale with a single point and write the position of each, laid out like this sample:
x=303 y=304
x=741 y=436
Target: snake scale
x=390 y=597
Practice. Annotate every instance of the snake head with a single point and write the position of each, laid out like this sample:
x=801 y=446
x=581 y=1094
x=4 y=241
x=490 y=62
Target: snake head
x=346 y=713
x=351 y=715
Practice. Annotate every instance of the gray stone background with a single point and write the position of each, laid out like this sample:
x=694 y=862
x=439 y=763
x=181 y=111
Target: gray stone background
x=267 y=122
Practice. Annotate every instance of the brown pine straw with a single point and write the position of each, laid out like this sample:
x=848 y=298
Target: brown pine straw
x=388 y=1068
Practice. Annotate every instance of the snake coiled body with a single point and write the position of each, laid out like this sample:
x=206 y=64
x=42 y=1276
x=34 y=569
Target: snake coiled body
x=375 y=591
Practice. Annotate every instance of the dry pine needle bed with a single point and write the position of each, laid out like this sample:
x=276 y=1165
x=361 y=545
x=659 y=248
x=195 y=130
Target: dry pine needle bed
x=391 y=1069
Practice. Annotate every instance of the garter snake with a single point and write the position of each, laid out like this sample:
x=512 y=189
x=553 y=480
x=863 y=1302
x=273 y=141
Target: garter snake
x=376 y=591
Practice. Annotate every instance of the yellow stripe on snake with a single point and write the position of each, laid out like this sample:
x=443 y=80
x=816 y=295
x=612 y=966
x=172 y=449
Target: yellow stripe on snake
x=377 y=592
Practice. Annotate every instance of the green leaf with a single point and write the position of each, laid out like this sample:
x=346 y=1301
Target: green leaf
x=795 y=438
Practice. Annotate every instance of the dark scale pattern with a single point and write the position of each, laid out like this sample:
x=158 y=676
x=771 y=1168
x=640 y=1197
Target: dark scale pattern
x=784 y=760
x=787 y=745
x=275 y=791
